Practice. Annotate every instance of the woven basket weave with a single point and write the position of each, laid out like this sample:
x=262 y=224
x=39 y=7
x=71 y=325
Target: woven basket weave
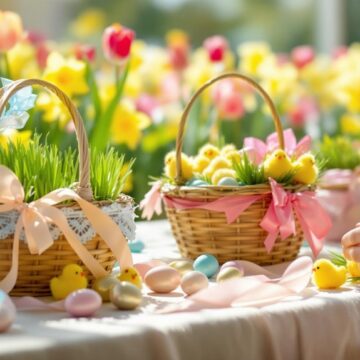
x=35 y=271
x=199 y=231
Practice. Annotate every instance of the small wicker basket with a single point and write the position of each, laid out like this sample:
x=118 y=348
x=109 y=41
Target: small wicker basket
x=199 y=231
x=35 y=271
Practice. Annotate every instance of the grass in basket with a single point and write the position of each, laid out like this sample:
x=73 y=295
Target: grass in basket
x=42 y=168
x=338 y=153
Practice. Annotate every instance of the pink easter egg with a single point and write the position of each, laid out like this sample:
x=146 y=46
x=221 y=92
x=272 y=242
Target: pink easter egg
x=162 y=279
x=235 y=264
x=7 y=312
x=83 y=303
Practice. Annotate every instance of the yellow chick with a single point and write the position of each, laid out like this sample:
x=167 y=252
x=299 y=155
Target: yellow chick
x=209 y=151
x=132 y=276
x=233 y=156
x=71 y=279
x=353 y=268
x=227 y=148
x=277 y=165
x=326 y=275
x=170 y=166
x=200 y=163
x=216 y=164
x=222 y=173
x=306 y=171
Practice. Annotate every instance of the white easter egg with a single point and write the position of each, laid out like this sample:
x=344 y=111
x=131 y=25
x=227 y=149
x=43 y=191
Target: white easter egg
x=193 y=282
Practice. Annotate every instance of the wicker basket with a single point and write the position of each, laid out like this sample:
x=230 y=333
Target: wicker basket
x=35 y=271
x=199 y=231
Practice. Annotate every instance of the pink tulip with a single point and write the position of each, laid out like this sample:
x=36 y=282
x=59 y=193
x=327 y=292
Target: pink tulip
x=85 y=52
x=117 y=42
x=146 y=104
x=11 y=30
x=302 y=112
x=216 y=47
x=302 y=55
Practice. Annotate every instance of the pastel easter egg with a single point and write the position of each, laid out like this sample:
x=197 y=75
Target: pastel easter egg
x=7 y=312
x=228 y=274
x=136 y=246
x=83 y=303
x=235 y=264
x=162 y=279
x=207 y=264
x=182 y=266
x=228 y=181
x=103 y=286
x=193 y=282
x=125 y=296
x=197 y=182
x=143 y=267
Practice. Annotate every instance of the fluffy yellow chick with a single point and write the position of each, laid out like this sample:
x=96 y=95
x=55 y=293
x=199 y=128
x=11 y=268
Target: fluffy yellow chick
x=132 y=276
x=200 y=163
x=306 y=171
x=277 y=165
x=216 y=164
x=72 y=278
x=326 y=275
x=222 y=173
x=233 y=156
x=170 y=166
x=209 y=151
x=353 y=268
x=227 y=148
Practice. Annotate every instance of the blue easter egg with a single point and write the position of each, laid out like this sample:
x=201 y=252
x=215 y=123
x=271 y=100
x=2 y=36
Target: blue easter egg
x=228 y=181
x=196 y=182
x=207 y=264
x=136 y=246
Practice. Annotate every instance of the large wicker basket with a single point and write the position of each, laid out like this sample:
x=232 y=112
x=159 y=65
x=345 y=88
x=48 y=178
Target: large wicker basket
x=35 y=271
x=199 y=231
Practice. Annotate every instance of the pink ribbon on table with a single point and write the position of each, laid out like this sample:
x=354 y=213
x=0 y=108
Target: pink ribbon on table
x=258 y=290
x=34 y=219
x=279 y=219
x=257 y=149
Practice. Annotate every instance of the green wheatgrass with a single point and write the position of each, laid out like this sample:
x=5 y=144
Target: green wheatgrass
x=42 y=168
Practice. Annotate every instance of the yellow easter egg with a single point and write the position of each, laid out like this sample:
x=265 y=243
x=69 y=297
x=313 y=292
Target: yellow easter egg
x=228 y=273
x=182 y=266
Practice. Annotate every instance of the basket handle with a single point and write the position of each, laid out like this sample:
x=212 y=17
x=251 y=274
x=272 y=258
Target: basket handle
x=83 y=188
x=184 y=117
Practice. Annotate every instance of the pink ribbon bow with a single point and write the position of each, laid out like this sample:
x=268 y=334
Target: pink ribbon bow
x=152 y=202
x=34 y=219
x=257 y=149
x=279 y=219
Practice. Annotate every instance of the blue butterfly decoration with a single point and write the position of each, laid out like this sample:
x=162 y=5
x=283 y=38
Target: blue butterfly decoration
x=15 y=115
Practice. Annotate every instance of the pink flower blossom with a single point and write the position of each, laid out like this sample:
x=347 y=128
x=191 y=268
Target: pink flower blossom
x=302 y=55
x=216 y=47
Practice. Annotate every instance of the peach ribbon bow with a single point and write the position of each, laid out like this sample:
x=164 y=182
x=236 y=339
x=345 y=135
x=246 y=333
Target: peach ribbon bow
x=34 y=219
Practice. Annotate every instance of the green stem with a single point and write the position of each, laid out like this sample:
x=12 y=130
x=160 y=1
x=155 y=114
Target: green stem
x=7 y=66
x=94 y=92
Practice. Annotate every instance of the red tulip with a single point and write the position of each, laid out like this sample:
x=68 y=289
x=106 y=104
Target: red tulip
x=11 y=30
x=216 y=47
x=85 y=52
x=178 y=48
x=302 y=55
x=117 y=42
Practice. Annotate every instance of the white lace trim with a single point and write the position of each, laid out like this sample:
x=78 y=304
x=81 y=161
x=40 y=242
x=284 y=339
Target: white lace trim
x=122 y=214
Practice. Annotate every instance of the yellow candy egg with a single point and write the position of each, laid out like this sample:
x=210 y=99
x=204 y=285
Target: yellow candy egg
x=182 y=266
x=228 y=274
x=125 y=296
x=103 y=286
x=132 y=276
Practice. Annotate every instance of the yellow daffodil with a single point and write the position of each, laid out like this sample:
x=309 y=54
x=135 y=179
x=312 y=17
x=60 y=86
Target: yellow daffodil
x=252 y=55
x=88 y=23
x=68 y=74
x=128 y=185
x=22 y=61
x=350 y=124
x=14 y=136
x=128 y=124
x=52 y=109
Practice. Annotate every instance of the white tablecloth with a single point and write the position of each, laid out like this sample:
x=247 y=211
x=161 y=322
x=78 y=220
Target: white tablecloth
x=319 y=326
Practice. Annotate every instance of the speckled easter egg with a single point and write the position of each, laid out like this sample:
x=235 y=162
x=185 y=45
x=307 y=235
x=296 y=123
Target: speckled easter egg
x=103 y=286
x=193 y=282
x=235 y=264
x=136 y=246
x=182 y=266
x=207 y=264
x=83 y=303
x=228 y=181
x=7 y=312
x=125 y=296
x=162 y=279
x=228 y=274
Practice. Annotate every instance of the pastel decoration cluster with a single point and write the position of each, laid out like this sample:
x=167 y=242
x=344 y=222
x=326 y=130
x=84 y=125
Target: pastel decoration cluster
x=327 y=276
x=72 y=278
x=16 y=115
x=7 y=312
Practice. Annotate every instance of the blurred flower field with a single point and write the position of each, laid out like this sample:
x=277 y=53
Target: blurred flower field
x=131 y=94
